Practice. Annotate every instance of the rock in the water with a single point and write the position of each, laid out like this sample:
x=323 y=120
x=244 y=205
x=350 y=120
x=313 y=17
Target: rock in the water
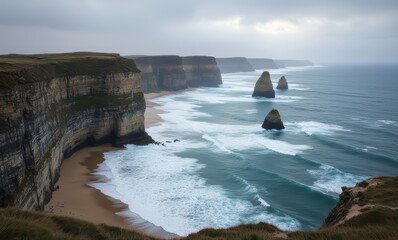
x=264 y=87
x=282 y=83
x=273 y=121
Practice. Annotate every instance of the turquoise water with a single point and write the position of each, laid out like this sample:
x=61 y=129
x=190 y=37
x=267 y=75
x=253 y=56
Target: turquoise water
x=341 y=127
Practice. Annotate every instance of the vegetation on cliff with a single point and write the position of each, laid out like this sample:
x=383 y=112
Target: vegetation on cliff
x=18 y=69
x=367 y=211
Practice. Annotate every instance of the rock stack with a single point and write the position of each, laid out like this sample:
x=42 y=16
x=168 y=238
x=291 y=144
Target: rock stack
x=273 y=121
x=282 y=83
x=264 y=87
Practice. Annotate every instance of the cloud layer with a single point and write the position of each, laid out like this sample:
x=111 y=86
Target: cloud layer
x=356 y=30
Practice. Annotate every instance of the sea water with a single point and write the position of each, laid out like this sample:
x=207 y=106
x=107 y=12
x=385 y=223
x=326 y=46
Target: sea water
x=218 y=168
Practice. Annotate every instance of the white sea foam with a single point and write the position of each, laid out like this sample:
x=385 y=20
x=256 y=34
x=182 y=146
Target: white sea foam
x=257 y=141
x=248 y=187
x=262 y=201
x=167 y=191
x=385 y=122
x=312 y=127
x=330 y=179
x=251 y=111
x=295 y=86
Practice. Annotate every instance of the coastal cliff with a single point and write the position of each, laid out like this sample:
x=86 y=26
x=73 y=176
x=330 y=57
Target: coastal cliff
x=161 y=73
x=148 y=78
x=52 y=105
x=373 y=201
x=173 y=73
x=234 y=64
x=262 y=63
x=201 y=71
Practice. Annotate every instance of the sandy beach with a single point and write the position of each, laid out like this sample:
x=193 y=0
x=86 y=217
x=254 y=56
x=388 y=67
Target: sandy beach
x=74 y=198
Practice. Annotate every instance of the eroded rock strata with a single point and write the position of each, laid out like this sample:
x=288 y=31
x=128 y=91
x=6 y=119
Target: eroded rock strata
x=52 y=105
x=161 y=73
x=264 y=87
x=234 y=64
x=282 y=83
x=201 y=71
x=273 y=121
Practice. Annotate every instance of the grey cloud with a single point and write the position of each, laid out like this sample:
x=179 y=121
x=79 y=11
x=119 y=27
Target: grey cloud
x=185 y=27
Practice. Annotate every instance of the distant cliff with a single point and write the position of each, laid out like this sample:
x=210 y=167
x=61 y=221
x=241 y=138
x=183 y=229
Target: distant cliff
x=172 y=73
x=161 y=73
x=201 y=71
x=52 y=105
x=292 y=63
x=262 y=63
x=149 y=83
x=234 y=64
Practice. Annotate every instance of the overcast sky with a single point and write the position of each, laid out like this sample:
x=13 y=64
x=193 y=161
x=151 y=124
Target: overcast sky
x=339 y=30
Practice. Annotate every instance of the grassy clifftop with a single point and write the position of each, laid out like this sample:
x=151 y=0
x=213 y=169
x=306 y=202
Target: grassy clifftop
x=366 y=211
x=18 y=69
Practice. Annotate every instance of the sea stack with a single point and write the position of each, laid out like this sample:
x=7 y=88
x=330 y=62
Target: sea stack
x=273 y=121
x=264 y=87
x=282 y=83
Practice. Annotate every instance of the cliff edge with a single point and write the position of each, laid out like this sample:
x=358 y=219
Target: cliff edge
x=234 y=64
x=53 y=104
x=201 y=71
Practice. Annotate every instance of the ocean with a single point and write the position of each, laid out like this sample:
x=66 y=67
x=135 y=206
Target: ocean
x=218 y=168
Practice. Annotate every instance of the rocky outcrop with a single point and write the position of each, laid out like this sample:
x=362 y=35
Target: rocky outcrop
x=282 y=83
x=374 y=199
x=166 y=70
x=234 y=64
x=264 y=87
x=273 y=121
x=293 y=63
x=52 y=105
x=201 y=71
x=262 y=63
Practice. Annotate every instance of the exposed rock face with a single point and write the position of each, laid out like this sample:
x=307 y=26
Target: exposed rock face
x=262 y=63
x=52 y=105
x=148 y=79
x=234 y=64
x=201 y=71
x=264 y=87
x=282 y=83
x=293 y=63
x=374 y=197
x=273 y=121
x=166 y=70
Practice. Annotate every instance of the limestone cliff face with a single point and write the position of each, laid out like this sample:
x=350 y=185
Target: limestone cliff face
x=161 y=73
x=262 y=63
x=234 y=64
x=264 y=87
x=51 y=105
x=148 y=78
x=201 y=71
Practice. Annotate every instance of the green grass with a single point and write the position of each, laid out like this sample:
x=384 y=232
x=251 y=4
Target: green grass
x=21 y=69
x=17 y=224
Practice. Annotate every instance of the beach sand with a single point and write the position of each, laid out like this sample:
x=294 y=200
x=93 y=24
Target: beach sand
x=75 y=198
